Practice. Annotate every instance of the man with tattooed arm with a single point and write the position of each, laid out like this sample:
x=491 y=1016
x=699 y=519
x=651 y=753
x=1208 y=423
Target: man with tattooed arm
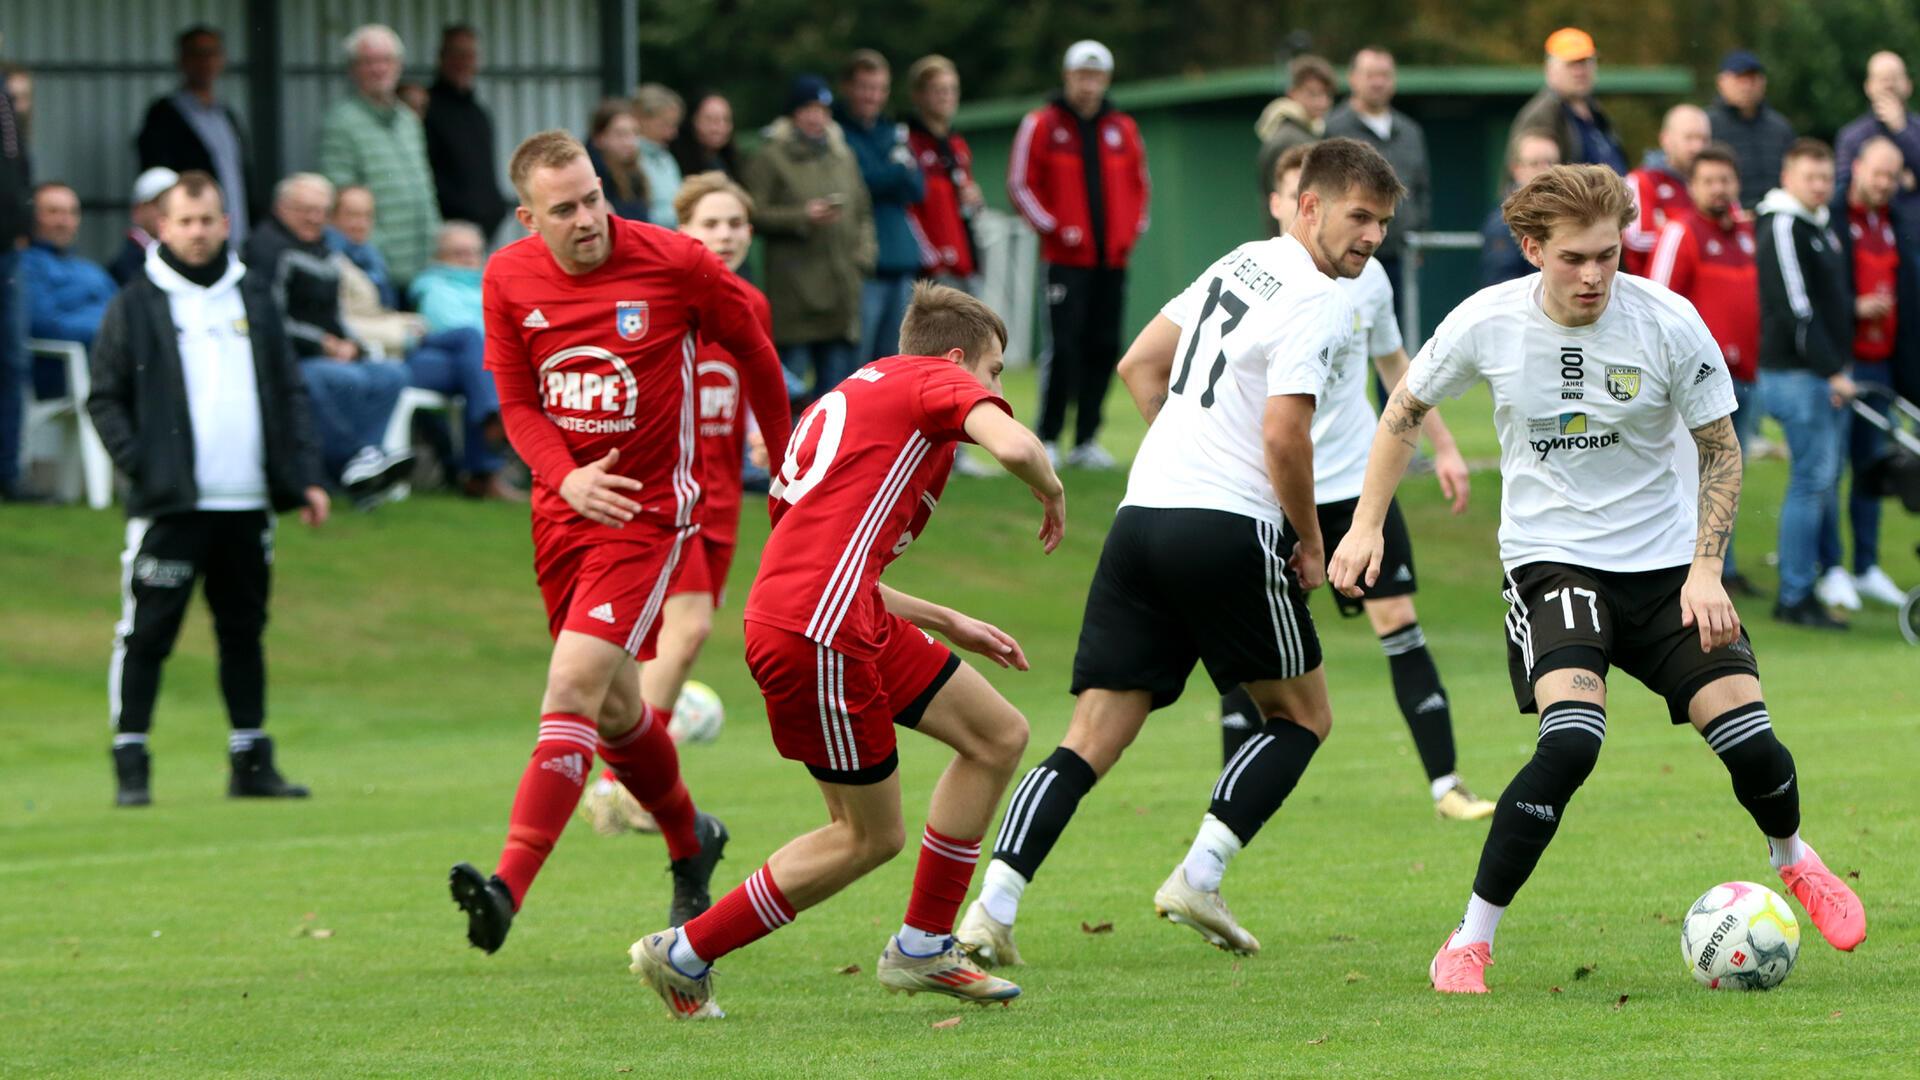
x=1606 y=561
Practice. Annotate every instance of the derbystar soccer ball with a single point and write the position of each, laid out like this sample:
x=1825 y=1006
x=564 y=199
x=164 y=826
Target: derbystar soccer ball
x=1740 y=936
x=697 y=716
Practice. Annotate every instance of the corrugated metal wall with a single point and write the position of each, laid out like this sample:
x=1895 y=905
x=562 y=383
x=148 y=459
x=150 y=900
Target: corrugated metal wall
x=97 y=63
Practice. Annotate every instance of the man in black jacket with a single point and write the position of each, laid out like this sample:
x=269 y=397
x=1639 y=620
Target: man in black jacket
x=1741 y=118
x=196 y=397
x=460 y=137
x=1806 y=345
x=192 y=129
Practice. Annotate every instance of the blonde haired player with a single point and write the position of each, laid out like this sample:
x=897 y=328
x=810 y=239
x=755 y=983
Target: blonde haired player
x=1607 y=561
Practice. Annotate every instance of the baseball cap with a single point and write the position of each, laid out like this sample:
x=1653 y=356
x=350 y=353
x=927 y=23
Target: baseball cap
x=1570 y=44
x=1741 y=62
x=807 y=90
x=148 y=185
x=1087 y=55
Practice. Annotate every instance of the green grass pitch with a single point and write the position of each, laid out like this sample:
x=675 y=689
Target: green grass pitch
x=207 y=938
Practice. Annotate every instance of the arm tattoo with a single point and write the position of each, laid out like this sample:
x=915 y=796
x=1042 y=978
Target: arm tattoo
x=1584 y=681
x=1154 y=405
x=1719 y=486
x=1403 y=417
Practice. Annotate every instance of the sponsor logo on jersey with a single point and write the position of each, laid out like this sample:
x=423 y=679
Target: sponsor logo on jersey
x=1705 y=373
x=630 y=319
x=241 y=327
x=868 y=374
x=534 y=320
x=603 y=612
x=1567 y=431
x=1623 y=383
x=1573 y=373
x=1112 y=135
x=719 y=402
x=1403 y=574
x=588 y=379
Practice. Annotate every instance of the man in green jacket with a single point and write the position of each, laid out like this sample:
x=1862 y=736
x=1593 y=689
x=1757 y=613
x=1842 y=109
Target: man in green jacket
x=814 y=215
x=371 y=139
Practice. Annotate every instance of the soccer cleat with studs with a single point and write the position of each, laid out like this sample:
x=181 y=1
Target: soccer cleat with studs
x=686 y=997
x=1461 y=970
x=488 y=904
x=693 y=874
x=987 y=940
x=1834 y=908
x=952 y=973
x=1178 y=902
x=1460 y=804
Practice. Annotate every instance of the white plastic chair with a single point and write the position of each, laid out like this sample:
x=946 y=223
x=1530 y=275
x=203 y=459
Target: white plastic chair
x=49 y=422
x=399 y=435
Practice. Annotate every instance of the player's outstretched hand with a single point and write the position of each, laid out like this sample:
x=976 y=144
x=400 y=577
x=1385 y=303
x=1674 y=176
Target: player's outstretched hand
x=1053 y=523
x=594 y=492
x=1451 y=470
x=1309 y=564
x=988 y=640
x=1704 y=604
x=1356 y=563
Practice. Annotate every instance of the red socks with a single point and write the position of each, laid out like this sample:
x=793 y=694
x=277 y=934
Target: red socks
x=549 y=790
x=646 y=764
x=940 y=881
x=750 y=912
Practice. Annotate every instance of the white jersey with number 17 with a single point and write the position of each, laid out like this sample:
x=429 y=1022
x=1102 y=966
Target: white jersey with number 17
x=1587 y=418
x=1263 y=321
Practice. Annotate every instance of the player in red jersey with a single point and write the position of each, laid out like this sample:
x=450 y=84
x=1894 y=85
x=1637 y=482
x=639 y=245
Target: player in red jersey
x=842 y=659
x=591 y=325
x=717 y=212
x=1659 y=185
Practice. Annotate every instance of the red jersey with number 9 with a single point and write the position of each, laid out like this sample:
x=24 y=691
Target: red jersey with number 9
x=860 y=477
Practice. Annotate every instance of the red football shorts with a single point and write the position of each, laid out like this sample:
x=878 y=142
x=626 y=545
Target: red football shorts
x=836 y=714
x=705 y=571
x=612 y=590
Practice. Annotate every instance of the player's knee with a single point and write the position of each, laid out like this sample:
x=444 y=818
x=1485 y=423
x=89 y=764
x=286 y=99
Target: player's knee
x=1569 y=758
x=1006 y=741
x=876 y=845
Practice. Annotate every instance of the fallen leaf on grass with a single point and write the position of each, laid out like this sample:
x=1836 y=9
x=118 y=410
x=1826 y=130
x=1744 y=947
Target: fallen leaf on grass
x=1317 y=1042
x=1583 y=971
x=1662 y=918
x=322 y=934
x=1141 y=810
x=1418 y=867
x=1666 y=770
x=1341 y=939
x=1854 y=874
x=1354 y=977
x=1622 y=1001
x=1835 y=1015
x=850 y=969
x=1553 y=990
x=949 y=1022
x=1105 y=926
x=624 y=1069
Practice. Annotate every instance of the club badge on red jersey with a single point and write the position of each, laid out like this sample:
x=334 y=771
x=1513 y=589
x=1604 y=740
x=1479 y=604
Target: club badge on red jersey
x=630 y=319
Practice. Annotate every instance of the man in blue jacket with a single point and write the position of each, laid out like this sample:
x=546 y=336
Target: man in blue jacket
x=894 y=183
x=66 y=293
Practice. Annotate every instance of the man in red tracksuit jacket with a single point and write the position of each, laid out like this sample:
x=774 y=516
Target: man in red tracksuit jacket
x=1078 y=174
x=1705 y=253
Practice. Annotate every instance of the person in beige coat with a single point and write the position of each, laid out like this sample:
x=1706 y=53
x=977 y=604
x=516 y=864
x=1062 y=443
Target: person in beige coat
x=813 y=213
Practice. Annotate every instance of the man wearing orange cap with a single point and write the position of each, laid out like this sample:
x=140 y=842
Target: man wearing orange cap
x=1566 y=106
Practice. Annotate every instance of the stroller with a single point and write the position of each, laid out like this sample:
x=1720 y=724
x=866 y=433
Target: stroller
x=1896 y=473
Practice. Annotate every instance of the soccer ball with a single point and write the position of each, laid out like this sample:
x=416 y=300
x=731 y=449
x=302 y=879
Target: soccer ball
x=697 y=716
x=1740 y=936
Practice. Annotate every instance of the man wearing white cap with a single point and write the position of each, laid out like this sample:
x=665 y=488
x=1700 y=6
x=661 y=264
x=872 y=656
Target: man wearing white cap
x=144 y=214
x=1078 y=174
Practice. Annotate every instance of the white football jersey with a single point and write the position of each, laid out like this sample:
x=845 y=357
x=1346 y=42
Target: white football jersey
x=1588 y=418
x=1343 y=423
x=1261 y=322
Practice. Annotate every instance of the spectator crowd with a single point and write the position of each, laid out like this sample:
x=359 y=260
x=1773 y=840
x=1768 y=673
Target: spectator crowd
x=1802 y=257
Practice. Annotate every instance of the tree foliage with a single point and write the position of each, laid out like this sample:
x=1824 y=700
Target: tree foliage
x=1816 y=50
